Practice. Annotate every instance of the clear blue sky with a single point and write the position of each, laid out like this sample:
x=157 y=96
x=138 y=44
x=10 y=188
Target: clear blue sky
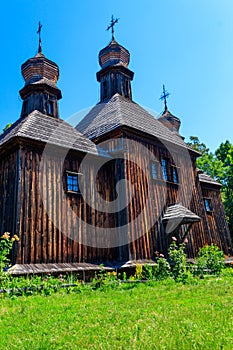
x=185 y=44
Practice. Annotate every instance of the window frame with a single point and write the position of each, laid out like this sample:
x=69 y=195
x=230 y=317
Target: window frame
x=105 y=89
x=209 y=208
x=50 y=107
x=167 y=178
x=175 y=168
x=74 y=175
x=157 y=165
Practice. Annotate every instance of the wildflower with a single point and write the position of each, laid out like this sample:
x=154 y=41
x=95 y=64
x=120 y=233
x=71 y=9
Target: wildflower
x=186 y=240
x=6 y=235
x=12 y=239
x=161 y=255
x=174 y=239
x=16 y=237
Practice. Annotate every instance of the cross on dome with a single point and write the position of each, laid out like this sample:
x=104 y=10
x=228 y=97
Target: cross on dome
x=164 y=97
x=112 y=24
x=39 y=32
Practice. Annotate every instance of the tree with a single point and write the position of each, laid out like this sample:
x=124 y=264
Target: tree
x=218 y=165
x=7 y=127
x=225 y=154
x=208 y=162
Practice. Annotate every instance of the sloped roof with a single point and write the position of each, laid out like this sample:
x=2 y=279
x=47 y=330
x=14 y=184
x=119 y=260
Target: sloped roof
x=203 y=177
x=40 y=127
x=179 y=213
x=119 y=111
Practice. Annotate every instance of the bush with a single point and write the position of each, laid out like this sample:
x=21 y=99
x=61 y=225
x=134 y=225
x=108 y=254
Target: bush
x=178 y=260
x=210 y=260
x=6 y=244
x=158 y=271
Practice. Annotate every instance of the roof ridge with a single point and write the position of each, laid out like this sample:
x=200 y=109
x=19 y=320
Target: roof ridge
x=119 y=112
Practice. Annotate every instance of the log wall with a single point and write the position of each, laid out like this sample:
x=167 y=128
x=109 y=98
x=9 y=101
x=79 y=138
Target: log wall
x=57 y=227
x=188 y=192
x=216 y=218
x=48 y=226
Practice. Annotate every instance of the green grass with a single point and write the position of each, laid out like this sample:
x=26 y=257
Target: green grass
x=158 y=315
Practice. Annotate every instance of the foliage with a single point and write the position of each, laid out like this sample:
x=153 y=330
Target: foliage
x=208 y=162
x=155 y=315
x=210 y=260
x=138 y=272
x=105 y=279
x=218 y=165
x=178 y=260
x=6 y=244
x=7 y=127
x=158 y=271
x=225 y=154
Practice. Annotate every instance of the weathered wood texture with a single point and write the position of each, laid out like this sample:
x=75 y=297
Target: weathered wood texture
x=153 y=237
x=216 y=218
x=59 y=227
x=8 y=190
x=48 y=227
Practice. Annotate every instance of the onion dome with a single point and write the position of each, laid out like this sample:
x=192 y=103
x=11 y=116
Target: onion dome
x=40 y=91
x=114 y=76
x=38 y=68
x=114 y=54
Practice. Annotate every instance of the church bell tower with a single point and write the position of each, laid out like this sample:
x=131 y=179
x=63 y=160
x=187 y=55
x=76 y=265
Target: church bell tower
x=114 y=76
x=40 y=91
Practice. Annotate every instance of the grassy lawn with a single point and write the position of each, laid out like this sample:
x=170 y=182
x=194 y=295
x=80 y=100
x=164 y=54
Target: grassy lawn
x=156 y=315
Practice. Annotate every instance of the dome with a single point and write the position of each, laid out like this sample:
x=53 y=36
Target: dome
x=114 y=54
x=170 y=121
x=38 y=68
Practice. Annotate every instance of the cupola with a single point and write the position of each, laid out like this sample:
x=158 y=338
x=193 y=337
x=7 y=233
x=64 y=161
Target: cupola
x=40 y=91
x=168 y=119
x=114 y=76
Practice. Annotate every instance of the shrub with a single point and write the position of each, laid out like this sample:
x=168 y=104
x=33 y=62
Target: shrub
x=6 y=244
x=178 y=260
x=138 y=272
x=158 y=271
x=162 y=268
x=210 y=259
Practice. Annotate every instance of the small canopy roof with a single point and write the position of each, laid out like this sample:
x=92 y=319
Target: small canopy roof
x=177 y=215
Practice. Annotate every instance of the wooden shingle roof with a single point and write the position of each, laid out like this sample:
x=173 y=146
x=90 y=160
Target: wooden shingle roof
x=203 y=177
x=119 y=111
x=181 y=214
x=39 y=127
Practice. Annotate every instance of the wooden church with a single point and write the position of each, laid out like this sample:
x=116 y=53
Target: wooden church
x=113 y=189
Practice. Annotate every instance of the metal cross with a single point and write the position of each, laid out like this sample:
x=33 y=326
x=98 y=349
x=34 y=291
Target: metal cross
x=164 y=96
x=39 y=32
x=112 y=24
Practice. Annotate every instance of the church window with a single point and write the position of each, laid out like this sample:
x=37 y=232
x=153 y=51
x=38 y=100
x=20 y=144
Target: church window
x=175 y=178
x=50 y=107
x=104 y=89
x=165 y=169
x=72 y=182
x=126 y=88
x=207 y=202
x=25 y=107
x=155 y=170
